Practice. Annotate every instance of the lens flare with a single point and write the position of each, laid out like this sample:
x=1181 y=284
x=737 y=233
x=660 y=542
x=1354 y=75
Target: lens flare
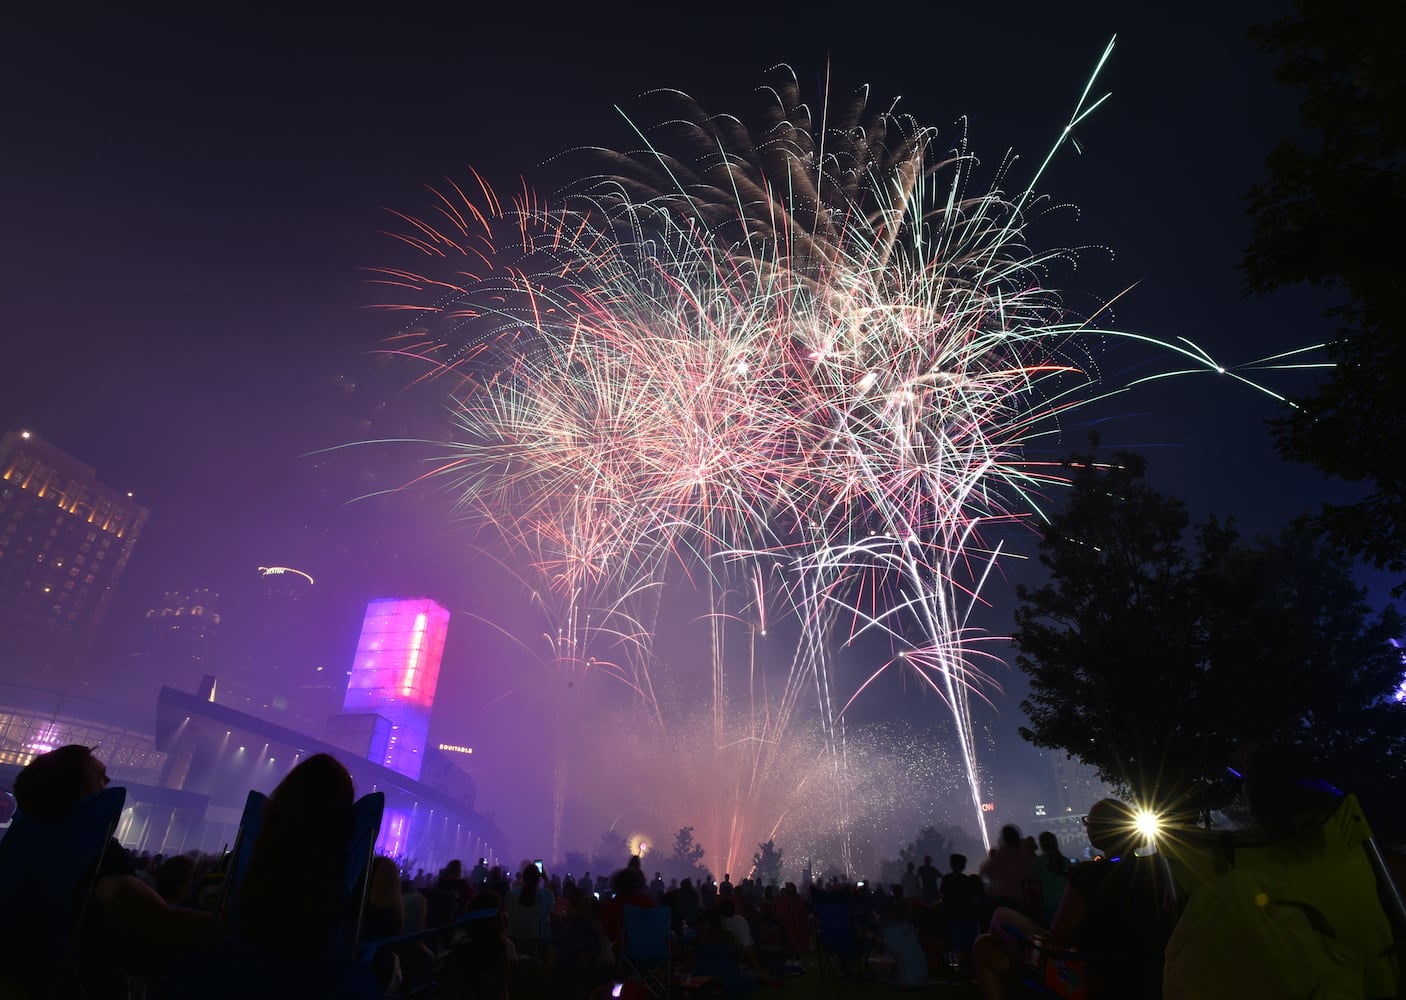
x=1148 y=823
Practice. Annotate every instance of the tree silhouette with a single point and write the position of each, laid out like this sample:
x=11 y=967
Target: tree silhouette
x=1154 y=652
x=611 y=854
x=686 y=860
x=1329 y=215
x=766 y=863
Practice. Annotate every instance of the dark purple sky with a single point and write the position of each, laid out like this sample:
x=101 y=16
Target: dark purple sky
x=187 y=201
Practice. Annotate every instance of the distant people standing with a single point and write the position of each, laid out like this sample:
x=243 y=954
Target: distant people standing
x=961 y=893
x=528 y=914
x=1007 y=867
x=479 y=875
x=909 y=885
x=685 y=905
x=928 y=877
x=1052 y=868
x=1050 y=856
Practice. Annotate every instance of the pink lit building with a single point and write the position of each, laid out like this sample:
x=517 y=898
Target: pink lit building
x=390 y=693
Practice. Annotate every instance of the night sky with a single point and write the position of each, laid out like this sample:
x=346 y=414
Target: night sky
x=188 y=203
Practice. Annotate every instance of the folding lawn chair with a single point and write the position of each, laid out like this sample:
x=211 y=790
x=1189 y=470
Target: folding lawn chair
x=48 y=869
x=645 y=953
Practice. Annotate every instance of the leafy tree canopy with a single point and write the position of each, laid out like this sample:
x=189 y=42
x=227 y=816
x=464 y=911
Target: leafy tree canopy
x=1154 y=650
x=1329 y=215
x=611 y=854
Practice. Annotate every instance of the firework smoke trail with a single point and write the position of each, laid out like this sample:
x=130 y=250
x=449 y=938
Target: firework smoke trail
x=671 y=778
x=807 y=348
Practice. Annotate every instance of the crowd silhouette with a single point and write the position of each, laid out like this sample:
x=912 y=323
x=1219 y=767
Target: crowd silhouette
x=303 y=908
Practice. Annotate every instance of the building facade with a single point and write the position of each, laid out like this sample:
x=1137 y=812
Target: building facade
x=187 y=782
x=390 y=694
x=65 y=539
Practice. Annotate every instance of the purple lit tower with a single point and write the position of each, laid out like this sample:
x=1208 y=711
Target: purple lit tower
x=386 y=714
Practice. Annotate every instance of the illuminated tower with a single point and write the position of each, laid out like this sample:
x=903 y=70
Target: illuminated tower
x=386 y=714
x=64 y=541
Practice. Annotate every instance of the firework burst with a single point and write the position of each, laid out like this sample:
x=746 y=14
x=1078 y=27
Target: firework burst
x=806 y=358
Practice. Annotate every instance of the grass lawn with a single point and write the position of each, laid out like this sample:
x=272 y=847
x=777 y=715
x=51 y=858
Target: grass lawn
x=813 y=985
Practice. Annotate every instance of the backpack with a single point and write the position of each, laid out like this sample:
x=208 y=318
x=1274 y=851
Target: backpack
x=1295 y=915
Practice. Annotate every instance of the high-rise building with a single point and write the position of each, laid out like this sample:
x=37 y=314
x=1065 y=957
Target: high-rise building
x=65 y=539
x=281 y=649
x=1077 y=785
x=390 y=694
x=179 y=641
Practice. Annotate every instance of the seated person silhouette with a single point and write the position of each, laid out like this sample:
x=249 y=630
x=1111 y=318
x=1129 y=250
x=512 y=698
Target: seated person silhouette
x=717 y=955
x=294 y=918
x=125 y=922
x=1110 y=910
x=291 y=901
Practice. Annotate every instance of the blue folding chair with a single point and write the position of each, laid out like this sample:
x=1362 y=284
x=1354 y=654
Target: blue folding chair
x=244 y=969
x=48 y=868
x=237 y=864
x=837 y=943
x=366 y=827
x=645 y=954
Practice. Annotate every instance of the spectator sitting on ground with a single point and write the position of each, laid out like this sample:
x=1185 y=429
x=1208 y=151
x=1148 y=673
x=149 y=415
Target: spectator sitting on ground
x=716 y=955
x=480 y=964
x=417 y=960
x=174 y=878
x=582 y=955
x=683 y=904
x=627 y=887
x=736 y=925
